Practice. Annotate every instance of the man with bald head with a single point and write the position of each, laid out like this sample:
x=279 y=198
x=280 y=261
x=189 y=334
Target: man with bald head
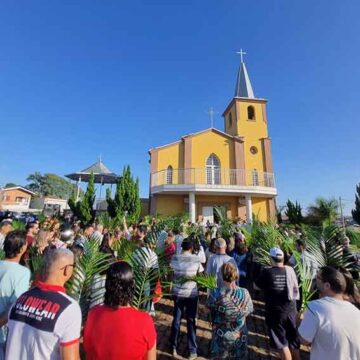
x=44 y=323
x=216 y=261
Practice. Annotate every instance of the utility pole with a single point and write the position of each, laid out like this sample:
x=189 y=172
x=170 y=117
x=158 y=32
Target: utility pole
x=341 y=213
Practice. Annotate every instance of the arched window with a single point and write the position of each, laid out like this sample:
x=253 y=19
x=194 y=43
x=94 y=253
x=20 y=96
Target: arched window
x=251 y=113
x=230 y=120
x=255 y=177
x=169 y=175
x=213 y=170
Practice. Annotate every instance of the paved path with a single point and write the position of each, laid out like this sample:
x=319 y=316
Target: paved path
x=258 y=340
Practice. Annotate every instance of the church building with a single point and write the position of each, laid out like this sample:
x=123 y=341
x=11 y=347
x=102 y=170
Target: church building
x=231 y=168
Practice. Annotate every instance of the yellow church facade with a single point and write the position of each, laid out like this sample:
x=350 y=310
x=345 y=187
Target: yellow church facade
x=230 y=168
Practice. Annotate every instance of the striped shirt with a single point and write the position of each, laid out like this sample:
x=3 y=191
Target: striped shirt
x=185 y=265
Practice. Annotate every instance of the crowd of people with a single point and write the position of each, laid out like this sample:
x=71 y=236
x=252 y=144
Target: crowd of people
x=38 y=320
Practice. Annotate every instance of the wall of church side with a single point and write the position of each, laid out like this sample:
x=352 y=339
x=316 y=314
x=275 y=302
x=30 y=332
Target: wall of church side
x=170 y=204
x=208 y=143
x=267 y=158
x=272 y=210
x=260 y=208
x=168 y=155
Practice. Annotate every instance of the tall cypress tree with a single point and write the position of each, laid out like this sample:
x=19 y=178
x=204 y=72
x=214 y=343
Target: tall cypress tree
x=356 y=212
x=126 y=200
x=84 y=208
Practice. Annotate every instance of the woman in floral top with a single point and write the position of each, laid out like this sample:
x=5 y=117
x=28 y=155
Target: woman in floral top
x=229 y=305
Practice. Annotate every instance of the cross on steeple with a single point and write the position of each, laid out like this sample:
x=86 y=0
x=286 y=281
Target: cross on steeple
x=241 y=53
x=212 y=113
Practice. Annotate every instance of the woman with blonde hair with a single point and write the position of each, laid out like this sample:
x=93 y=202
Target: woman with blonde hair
x=230 y=305
x=42 y=240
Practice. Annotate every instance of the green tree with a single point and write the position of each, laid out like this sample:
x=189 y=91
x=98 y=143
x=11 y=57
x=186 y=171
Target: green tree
x=126 y=200
x=8 y=185
x=84 y=209
x=115 y=206
x=50 y=185
x=293 y=212
x=36 y=182
x=356 y=212
x=323 y=211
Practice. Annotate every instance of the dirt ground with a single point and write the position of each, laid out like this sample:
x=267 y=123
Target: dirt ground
x=258 y=340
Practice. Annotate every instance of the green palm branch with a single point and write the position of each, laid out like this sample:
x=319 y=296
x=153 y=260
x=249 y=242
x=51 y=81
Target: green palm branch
x=202 y=280
x=226 y=228
x=18 y=225
x=124 y=250
x=325 y=248
x=146 y=274
x=108 y=222
x=304 y=271
x=80 y=285
x=264 y=236
x=36 y=260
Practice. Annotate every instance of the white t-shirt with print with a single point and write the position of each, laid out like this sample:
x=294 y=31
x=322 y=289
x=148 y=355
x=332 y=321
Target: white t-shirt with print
x=41 y=321
x=333 y=328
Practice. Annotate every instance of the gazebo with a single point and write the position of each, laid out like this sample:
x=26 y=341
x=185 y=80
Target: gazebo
x=102 y=175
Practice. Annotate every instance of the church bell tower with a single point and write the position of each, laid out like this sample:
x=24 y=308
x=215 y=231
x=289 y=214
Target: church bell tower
x=245 y=117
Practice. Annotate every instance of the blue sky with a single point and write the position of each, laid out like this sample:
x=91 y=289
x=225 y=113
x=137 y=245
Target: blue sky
x=80 y=78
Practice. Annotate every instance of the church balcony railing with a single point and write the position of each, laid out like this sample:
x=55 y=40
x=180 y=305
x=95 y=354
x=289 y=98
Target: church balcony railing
x=212 y=176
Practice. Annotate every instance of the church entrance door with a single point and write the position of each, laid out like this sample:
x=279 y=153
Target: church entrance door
x=208 y=214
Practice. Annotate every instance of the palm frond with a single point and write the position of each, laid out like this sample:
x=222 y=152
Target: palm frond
x=265 y=236
x=92 y=262
x=171 y=223
x=146 y=273
x=36 y=261
x=326 y=250
x=108 y=222
x=124 y=250
x=226 y=229
x=202 y=280
x=305 y=273
x=18 y=225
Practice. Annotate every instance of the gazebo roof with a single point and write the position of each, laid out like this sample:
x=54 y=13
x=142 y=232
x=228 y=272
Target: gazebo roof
x=102 y=175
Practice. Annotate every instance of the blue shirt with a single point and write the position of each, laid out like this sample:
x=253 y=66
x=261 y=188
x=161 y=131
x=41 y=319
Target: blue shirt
x=14 y=281
x=214 y=266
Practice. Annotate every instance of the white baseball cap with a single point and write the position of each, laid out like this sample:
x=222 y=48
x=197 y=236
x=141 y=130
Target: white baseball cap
x=276 y=252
